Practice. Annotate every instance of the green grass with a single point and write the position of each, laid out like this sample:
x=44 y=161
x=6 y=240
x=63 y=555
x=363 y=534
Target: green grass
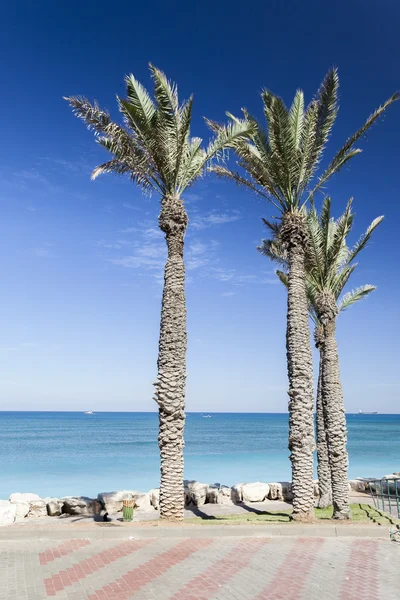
x=361 y=513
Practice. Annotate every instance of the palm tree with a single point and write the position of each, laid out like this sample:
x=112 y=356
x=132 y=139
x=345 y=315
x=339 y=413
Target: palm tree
x=155 y=150
x=281 y=164
x=329 y=265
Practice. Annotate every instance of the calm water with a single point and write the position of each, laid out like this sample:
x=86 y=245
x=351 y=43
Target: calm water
x=73 y=453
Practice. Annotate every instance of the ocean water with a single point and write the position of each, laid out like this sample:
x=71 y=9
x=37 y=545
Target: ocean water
x=69 y=453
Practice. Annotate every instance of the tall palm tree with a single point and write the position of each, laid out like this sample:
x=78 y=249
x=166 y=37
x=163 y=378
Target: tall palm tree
x=155 y=150
x=329 y=265
x=280 y=165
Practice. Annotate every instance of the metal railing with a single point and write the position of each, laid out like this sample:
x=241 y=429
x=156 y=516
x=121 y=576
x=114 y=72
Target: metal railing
x=385 y=493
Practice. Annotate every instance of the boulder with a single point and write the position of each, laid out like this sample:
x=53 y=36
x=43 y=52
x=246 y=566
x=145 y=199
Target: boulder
x=21 y=510
x=225 y=495
x=212 y=493
x=112 y=501
x=219 y=494
x=80 y=505
x=237 y=493
x=7 y=512
x=195 y=492
x=275 y=491
x=22 y=504
x=142 y=501
x=255 y=492
x=358 y=485
x=54 y=506
x=287 y=491
x=155 y=498
x=37 y=508
x=24 y=498
x=186 y=491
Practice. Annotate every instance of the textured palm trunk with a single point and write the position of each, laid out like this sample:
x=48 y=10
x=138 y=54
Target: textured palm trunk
x=324 y=471
x=171 y=380
x=299 y=360
x=335 y=423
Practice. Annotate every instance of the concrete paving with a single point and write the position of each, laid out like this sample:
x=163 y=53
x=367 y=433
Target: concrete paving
x=245 y=566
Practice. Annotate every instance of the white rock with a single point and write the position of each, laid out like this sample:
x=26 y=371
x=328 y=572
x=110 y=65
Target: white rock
x=7 y=512
x=275 y=491
x=196 y=492
x=237 y=493
x=54 y=506
x=155 y=498
x=24 y=498
x=225 y=495
x=21 y=510
x=37 y=508
x=358 y=485
x=255 y=492
x=80 y=505
x=219 y=494
x=113 y=501
x=142 y=501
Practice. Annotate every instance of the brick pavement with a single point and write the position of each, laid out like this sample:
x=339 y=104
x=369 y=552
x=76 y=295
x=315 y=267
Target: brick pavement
x=205 y=568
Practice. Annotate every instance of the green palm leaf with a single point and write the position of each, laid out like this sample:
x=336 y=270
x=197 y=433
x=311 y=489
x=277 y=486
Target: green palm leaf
x=354 y=296
x=282 y=160
x=155 y=148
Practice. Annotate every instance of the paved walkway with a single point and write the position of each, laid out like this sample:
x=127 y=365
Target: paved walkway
x=200 y=568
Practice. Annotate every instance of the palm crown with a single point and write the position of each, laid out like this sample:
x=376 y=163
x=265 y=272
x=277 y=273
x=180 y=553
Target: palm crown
x=282 y=162
x=329 y=260
x=154 y=146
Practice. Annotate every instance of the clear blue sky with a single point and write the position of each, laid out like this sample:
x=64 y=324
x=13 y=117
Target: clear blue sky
x=81 y=261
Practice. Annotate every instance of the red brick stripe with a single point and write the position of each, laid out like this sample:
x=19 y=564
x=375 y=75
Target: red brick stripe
x=208 y=582
x=124 y=587
x=63 y=579
x=63 y=549
x=362 y=572
x=290 y=578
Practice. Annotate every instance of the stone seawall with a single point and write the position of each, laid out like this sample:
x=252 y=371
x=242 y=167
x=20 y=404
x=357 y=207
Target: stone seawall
x=21 y=506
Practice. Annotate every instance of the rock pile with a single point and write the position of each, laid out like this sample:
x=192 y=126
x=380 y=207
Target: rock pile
x=27 y=506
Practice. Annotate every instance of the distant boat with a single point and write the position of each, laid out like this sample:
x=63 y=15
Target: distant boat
x=88 y=412
x=361 y=412
x=206 y=416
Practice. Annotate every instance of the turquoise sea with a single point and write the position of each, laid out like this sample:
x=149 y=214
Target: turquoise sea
x=70 y=453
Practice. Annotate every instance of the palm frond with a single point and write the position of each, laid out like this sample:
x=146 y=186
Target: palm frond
x=281 y=143
x=283 y=277
x=91 y=114
x=327 y=102
x=339 y=281
x=296 y=116
x=112 y=166
x=315 y=256
x=347 y=152
x=320 y=118
x=354 y=296
x=338 y=250
x=142 y=108
x=273 y=250
x=165 y=92
x=222 y=171
x=363 y=241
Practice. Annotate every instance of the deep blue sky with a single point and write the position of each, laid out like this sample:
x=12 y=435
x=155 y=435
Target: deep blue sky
x=82 y=261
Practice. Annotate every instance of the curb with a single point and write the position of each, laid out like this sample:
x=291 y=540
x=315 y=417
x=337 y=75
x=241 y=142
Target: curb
x=119 y=532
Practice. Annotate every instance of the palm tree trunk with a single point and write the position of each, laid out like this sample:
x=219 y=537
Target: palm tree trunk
x=171 y=380
x=299 y=360
x=324 y=471
x=335 y=423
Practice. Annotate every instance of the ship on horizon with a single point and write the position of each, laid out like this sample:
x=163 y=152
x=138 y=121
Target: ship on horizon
x=362 y=412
